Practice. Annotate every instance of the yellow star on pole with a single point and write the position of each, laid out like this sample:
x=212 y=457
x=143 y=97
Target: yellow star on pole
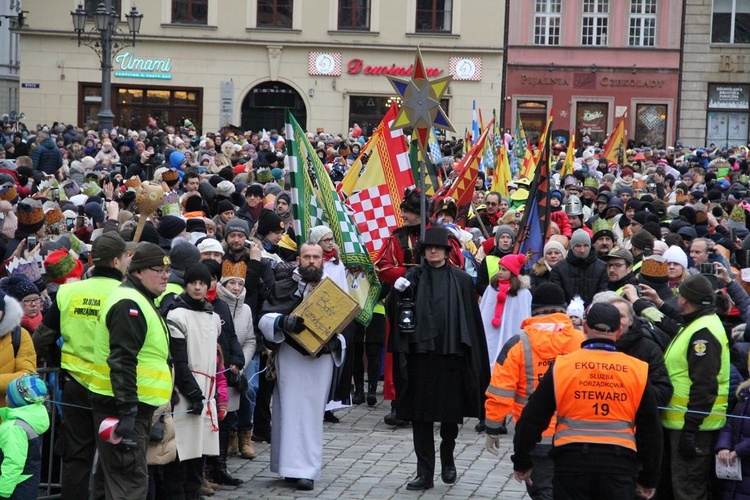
x=421 y=108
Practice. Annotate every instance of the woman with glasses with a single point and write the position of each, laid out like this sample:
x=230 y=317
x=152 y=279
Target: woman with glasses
x=26 y=292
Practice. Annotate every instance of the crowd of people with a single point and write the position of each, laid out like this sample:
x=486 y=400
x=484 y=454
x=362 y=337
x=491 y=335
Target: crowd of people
x=176 y=336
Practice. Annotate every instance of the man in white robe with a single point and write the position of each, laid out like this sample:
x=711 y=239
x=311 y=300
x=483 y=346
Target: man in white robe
x=302 y=382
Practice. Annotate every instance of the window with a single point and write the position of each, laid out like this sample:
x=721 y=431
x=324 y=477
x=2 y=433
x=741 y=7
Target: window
x=728 y=114
x=642 y=23
x=275 y=14
x=651 y=125
x=190 y=11
x=730 y=22
x=354 y=15
x=91 y=6
x=595 y=20
x=591 y=120
x=434 y=16
x=547 y=22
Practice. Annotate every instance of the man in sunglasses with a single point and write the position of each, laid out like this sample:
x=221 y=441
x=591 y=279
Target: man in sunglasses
x=490 y=216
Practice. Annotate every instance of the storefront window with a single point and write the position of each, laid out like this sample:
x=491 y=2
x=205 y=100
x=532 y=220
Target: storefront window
x=591 y=120
x=728 y=113
x=651 y=125
x=157 y=97
x=181 y=97
x=534 y=117
x=130 y=96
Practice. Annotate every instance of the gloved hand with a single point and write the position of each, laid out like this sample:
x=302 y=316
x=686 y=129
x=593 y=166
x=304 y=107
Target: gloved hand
x=291 y=323
x=687 y=447
x=126 y=426
x=196 y=403
x=492 y=444
x=401 y=284
x=334 y=344
x=222 y=409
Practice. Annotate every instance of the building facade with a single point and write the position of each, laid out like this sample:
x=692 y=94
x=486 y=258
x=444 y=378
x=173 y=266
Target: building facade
x=716 y=73
x=241 y=62
x=9 y=58
x=591 y=62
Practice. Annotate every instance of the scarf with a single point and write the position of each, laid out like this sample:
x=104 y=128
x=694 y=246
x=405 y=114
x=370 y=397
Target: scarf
x=211 y=294
x=31 y=324
x=502 y=294
x=330 y=255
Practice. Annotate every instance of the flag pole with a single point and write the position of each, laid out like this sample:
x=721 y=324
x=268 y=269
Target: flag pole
x=422 y=196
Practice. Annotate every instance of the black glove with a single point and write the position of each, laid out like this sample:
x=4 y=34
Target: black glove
x=291 y=323
x=196 y=403
x=126 y=426
x=688 y=448
x=333 y=345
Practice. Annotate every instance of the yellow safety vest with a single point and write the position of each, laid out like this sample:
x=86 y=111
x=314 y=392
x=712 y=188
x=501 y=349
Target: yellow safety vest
x=79 y=304
x=171 y=288
x=493 y=265
x=153 y=377
x=677 y=365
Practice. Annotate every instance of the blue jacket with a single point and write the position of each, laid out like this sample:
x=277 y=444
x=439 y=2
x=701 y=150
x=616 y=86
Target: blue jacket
x=47 y=157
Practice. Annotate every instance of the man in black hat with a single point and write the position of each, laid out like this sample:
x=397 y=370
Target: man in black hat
x=607 y=442
x=619 y=269
x=73 y=316
x=250 y=211
x=697 y=360
x=446 y=369
x=130 y=376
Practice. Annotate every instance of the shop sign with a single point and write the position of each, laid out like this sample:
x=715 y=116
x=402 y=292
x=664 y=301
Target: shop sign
x=357 y=66
x=324 y=64
x=131 y=66
x=465 y=68
x=728 y=96
x=25 y=85
x=631 y=82
x=584 y=81
x=732 y=63
x=226 y=115
x=544 y=80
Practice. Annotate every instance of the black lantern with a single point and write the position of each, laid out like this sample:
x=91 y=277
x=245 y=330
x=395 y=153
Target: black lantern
x=407 y=317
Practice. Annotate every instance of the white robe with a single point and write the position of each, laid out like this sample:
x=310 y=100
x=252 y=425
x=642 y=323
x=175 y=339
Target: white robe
x=516 y=310
x=299 y=400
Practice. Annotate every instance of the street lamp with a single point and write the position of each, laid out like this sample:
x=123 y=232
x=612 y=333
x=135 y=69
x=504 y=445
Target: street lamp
x=106 y=40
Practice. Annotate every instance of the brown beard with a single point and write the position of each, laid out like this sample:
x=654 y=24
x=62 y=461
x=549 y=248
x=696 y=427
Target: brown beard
x=311 y=274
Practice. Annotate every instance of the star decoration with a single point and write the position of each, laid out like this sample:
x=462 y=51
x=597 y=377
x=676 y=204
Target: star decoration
x=421 y=108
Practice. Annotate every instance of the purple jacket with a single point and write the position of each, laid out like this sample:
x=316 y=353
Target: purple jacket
x=736 y=436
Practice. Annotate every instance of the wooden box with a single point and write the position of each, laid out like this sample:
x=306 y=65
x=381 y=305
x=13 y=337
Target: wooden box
x=326 y=311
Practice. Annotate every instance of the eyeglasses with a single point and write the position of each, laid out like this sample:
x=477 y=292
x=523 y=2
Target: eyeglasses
x=327 y=240
x=616 y=264
x=163 y=272
x=32 y=301
x=492 y=203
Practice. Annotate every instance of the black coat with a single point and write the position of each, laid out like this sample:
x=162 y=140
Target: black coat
x=638 y=342
x=577 y=276
x=447 y=369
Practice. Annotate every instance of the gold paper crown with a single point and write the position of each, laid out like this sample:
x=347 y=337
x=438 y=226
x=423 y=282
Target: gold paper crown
x=590 y=182
x=602 y=225
x=654 y=266
x=235 y=270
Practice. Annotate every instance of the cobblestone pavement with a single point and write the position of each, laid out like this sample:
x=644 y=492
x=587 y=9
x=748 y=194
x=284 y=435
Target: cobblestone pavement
x=364 y=458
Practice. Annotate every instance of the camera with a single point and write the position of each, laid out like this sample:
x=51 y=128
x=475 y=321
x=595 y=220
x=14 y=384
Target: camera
x=708 y=269
x=652 y=185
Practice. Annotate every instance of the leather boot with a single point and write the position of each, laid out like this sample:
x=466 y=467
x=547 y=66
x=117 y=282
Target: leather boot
x=220 y=475
x=371 y=389
x=233 y=449
x=359 y=394
x=246 y=445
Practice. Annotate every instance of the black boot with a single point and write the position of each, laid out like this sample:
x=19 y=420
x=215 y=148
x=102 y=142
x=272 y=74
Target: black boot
x=391 y=418
x=371 y=389
x=219 y=474
x=359 y=394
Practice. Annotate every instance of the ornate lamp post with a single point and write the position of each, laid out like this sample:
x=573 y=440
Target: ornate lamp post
x=106 y=40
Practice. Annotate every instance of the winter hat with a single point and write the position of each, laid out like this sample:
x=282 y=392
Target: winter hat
x=18 y=286
x=60 y=266
x=411 y=201
x=269 y=222
x=26 y=390
x=148 y=255
x=277 y=173
x=210 y=245
x=214 y=268
x=170 y=226
x=196 y=225
x=504 y=229
x=30 y=216
x=237 y=225
x=576 y=308
x=548 y=298
x=556 y=245
x=94 y=211
x=225 y=189
x=642 y=240
x=170 y=176
x=193 y=204
x=254 y=189
x=88 y=163
x=698 y=290
x=176 y=159
x=580 y=237
x=224 y=206
x=315 y=234
x=676 y=255
x=603 y=317
x=197 y=272
x=183 y=254
x=514 y=263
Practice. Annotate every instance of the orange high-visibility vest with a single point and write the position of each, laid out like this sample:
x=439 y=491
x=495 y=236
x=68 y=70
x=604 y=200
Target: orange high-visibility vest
x=598 y=393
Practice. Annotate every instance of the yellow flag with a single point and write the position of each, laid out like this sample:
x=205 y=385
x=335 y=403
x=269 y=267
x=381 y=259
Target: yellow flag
x=502 y=172
x=567 y=167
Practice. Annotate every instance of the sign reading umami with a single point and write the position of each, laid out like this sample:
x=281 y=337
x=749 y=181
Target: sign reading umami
x=135 y=67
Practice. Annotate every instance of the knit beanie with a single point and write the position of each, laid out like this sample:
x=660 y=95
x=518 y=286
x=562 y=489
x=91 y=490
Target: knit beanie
x=269 y=222
x=210 y=245
x=316 y=233
x=580 y=237
x=698 y=290
x=196 y=225
x=225 y=189
x=504 y=229
x=30 y=216
x=676 y=255
x=60 y=265
x=642 y=240
x=26 y=390
x=184 y=254
x=170 y=226
x=18 y=286
x=224 y=206
x=197 y=272
x=556 y=245
x=237 y=225
x=194 y=204
x=214 y=268
x=576 y=307
x=548 y=298
x=513 y=263
x=148 y=255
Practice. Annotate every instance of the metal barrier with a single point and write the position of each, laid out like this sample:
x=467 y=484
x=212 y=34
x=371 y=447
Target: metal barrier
x=50 y=489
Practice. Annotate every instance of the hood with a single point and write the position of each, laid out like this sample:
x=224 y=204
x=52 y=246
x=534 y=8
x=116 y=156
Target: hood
x=12 y=316
x=35 y=415
x=230 y=298
x=553 y=334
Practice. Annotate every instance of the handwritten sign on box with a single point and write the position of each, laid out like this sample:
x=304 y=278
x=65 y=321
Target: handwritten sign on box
x=326 y=311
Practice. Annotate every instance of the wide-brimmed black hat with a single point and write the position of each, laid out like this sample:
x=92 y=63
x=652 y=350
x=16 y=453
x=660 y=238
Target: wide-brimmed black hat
x=435 y=237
